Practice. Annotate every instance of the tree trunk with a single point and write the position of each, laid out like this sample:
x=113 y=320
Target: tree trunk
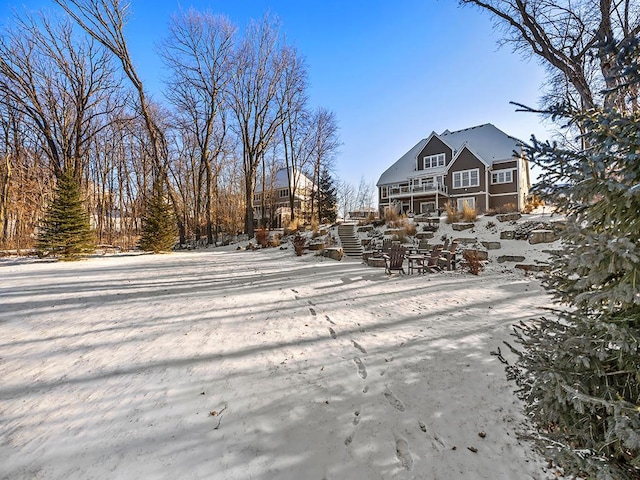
x=5 y=177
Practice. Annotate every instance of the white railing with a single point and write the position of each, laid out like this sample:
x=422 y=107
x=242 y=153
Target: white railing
x=417 y=190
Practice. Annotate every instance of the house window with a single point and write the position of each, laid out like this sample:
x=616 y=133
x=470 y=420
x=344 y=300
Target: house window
x=502 y=176
x=383 y=192
x=466 y=178
x=470 y=201
x=283 y=193
x=427 y=207
x=433 y=161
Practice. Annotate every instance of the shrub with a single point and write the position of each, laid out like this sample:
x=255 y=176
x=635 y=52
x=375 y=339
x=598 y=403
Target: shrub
x=452 y=212
x=299 y=244
x=292 y=226
x=411 y=228
x=370 y=218
x=261 y=237
x=469 y=214
x=507 y=208
x=275 y=240
x=391 y=216
x=533 y=203
x=315 y=227
x=472 y=262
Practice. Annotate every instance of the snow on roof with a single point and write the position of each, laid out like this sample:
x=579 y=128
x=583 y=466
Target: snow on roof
x=403 y=168
x=280 y=180
x=488 y=142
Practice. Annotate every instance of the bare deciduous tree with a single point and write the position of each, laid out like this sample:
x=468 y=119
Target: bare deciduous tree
x=325 y=144
x=60 y=84
x=198 y=53
x=260 y=64
x=565 y=35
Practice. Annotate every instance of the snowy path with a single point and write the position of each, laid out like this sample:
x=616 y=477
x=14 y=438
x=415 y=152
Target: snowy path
x=237 y=365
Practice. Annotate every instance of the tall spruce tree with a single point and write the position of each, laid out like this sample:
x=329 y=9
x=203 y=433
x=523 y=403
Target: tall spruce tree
x=158 y=223
x=328 y=200
x=579 y=369
x=65 y=230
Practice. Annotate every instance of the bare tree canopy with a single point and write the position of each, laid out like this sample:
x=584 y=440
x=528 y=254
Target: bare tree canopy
x=60 y=83
x=576 y=40
x=256 y=98
x=104 y=20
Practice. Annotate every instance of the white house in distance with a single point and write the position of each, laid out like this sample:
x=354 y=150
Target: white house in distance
x=482 y=166
x=277 y=210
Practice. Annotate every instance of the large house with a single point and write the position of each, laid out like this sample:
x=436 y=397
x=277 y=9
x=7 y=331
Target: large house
x=482 y=166
x=274 y=196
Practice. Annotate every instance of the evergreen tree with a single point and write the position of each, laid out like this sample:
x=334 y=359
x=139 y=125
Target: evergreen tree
x=579 y=370
x=328 y=200
x=66 y=230
x=158 y=225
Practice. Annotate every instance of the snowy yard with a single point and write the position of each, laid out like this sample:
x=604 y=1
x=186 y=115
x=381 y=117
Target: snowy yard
x=235 y=365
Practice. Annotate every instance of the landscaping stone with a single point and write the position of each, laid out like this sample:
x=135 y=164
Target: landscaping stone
x=529 y=267
x=316 y=246
x=424 y=235
x=459 y=226
x=508 y=217
x=510 y=258
x=466 y=240
x=491 y=245
x=508 y=235
x=334 y=253
x=365 y=228
x=542 y=236
x=376 y=262
x=395 y=231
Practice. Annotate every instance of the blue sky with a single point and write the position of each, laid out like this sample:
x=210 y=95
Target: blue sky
x=391 y=71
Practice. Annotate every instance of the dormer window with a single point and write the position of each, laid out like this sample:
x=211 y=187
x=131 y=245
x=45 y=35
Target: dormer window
x=433 y=161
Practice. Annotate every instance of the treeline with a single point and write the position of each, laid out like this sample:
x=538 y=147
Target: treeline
x=234 y=109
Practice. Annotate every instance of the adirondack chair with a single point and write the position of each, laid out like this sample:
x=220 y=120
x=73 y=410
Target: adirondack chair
x=432 y=263
x=448 y=257
x=394 y=259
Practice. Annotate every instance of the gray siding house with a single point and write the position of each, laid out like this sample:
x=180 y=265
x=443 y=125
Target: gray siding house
x=482 y=166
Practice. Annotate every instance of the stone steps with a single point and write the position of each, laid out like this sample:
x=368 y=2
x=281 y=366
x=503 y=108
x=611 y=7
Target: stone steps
x=350 y=243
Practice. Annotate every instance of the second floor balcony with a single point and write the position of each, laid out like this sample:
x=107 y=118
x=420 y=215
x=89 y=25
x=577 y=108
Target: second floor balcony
x=417 y=190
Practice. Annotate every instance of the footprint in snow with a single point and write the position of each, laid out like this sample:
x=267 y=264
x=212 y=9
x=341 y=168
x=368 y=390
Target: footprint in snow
x=393 y=400
x=362 y=370
x=403 y=454
x=329 y=320
x=313 y=312
x=358 y=346
x=332 y=332
x=356 y=417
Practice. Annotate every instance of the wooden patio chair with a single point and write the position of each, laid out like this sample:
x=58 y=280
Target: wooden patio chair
x=448 y=257
x=394 y=259
x=432 y=263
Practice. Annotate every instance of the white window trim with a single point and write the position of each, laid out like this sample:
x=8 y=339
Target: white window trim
x=458 y=179
x=383 y=192
x=283 y=193
x=428 y=161
x=424 y=207
x=470 y=200
x=495 y=176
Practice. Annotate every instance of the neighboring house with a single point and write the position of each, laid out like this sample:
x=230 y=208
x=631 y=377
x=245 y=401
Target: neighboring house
x=362 y=214
x=277 y=209
x=482 y=166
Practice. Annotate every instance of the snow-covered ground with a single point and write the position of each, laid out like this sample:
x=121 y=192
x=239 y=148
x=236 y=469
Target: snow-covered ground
x=225 y=364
